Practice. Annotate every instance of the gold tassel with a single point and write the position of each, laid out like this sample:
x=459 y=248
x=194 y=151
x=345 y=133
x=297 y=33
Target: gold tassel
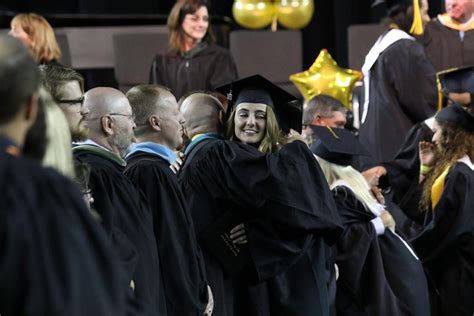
x=417 y=25
x=440 y=92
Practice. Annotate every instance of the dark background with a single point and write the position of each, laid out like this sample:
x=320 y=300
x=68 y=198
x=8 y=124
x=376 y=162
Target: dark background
x=328 y=28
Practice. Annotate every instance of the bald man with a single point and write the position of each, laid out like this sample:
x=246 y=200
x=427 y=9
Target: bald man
x=287 y=208
x=125 y=215
x=159 y=133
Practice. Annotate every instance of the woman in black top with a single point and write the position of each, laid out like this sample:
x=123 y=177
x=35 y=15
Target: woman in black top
x=193 y=62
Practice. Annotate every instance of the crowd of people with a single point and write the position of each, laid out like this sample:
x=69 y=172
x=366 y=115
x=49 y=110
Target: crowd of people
x=202 y=193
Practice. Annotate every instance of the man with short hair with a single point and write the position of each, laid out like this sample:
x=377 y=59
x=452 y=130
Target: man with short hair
x=159 y=132
x=55 y=258
x=322 y=110
x=125 y=215
x=66 y=86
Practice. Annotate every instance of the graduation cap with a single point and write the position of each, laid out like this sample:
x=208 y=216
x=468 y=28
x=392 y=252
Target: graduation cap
x=336 y=145
x=454 y=80
x=391 y=5
x=457 y=79
x=458 y=115
x=257 y=89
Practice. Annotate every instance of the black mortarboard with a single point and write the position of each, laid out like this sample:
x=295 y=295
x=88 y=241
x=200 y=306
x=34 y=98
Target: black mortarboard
x=336 y=145
x=457 y=80
x=257 y=89
x=457 y=115
x=454 y=80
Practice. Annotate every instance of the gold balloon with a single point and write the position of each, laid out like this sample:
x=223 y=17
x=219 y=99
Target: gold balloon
x=253 y=14
x=294 y=14
x=326 y=77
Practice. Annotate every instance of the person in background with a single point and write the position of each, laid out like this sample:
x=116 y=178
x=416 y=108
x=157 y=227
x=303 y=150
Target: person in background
x=322 y=110
x=449 y=38
x=379 y=273
x=394 y=68
x=193 y=62
x=66 y=86
x=38 y=36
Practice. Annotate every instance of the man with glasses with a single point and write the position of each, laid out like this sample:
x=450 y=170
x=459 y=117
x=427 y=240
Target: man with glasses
x=66 y=86
x=125 y=215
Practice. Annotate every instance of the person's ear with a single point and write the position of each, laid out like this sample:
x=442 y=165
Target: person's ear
x=317 y=120
x=31 y=109
x=221 y=117
x=107 y=124
x=154 y=122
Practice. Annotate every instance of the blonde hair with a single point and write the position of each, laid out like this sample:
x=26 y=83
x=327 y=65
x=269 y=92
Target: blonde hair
x=44 y=45
x=273 y=134
x=58 y=153
x=354 y=178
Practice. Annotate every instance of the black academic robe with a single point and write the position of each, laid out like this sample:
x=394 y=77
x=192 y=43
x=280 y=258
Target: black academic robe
x=402 y=179
x=378 y=275
x=285 y=203
x=182 y=265
x=402 y=93
x=445 y=48
x=127 y=220
x=55 y=258
x=446 y=247
x=204 y=68
x=404 y=170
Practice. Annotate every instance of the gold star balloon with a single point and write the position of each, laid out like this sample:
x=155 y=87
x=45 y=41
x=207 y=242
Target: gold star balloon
x=326 y=77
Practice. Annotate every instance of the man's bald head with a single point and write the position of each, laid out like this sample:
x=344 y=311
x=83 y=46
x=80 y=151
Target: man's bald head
x=202 y=113
x=19 y=77
x=101 y=101
x=110 y=119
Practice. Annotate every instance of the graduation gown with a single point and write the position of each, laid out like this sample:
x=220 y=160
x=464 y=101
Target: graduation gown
x=402 y=181
x=445 y=48
x=203 y=68
x=128 y=222
x=182 y=265
x=404 y=170
x=284 y=200
x=378 y=275
x=447 y=245
x=55 y=259
x=402 y=93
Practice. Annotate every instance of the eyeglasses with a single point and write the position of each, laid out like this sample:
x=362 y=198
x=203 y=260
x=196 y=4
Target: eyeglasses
x=130 y=116
x=73 y=101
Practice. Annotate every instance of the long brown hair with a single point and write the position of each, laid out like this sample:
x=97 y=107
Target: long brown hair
x=273 y=134
x=175 y=21
x=44 y=45
x=455 y=143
